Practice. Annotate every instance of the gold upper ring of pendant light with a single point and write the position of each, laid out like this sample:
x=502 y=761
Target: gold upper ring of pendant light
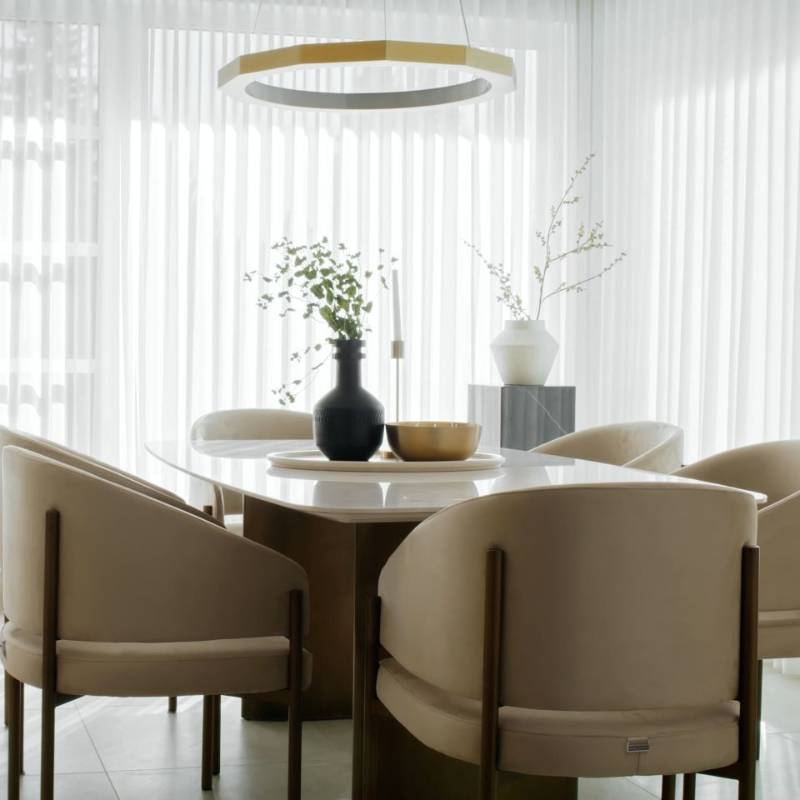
x=494 y=74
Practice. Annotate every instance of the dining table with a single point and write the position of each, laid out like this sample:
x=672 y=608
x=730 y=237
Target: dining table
x=342 y=526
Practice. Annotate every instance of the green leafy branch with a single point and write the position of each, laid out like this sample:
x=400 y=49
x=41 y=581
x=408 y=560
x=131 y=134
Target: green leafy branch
x=586 y=239
x=508 y=297
x=323 y=282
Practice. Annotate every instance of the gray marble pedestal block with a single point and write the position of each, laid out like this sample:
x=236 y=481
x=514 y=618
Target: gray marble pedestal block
x=522 y=417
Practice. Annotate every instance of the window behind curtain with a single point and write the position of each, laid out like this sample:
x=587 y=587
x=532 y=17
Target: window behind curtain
x=48 y=225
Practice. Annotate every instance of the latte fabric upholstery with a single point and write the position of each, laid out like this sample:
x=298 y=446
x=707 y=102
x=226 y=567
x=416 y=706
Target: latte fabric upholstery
x=607 y=633
x=92 y=466
x=253 y=423
x=772 y=468
x=242 y=423
x=64 y=455
x=211 y=618
x=155 y=668
x=653 y=446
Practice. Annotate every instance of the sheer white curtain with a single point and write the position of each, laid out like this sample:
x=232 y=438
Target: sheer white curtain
x=135 y=196
x=696 y=111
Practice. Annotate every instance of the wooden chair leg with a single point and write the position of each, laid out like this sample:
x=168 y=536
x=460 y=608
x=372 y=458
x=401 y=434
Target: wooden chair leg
x=14 y=743
x=172 y=706
x=216 y=733
x=296 y=625
x=747 y=781
x=48 y=745
x=668 y=787
x=760 y=702
x=21 y=690
x=6 y=689
x=7 y=697
x=12 y=686
x=373 y=648
x=208 y=739
x=490 y=703
x=748 y=676
x=49 y=662
x=689 y=784
x=747 y=790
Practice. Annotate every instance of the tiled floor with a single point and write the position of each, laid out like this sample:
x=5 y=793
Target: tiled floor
x=133 y=749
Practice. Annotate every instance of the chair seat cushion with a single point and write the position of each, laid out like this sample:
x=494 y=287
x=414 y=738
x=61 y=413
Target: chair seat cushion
x=779 y=634
x=564 y=743
x=122 y=669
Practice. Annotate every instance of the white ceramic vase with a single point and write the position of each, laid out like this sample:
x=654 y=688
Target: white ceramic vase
x=524 y=352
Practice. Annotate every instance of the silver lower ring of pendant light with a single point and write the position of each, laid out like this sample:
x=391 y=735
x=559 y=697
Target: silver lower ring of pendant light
x=493 y=74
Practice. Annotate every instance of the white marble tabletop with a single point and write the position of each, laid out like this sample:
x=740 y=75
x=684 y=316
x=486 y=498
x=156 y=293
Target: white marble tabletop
x=241 y=465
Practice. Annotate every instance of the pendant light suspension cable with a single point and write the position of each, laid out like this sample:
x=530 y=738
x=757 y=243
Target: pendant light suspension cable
x=258 y=14
x=464 y=20
x=385 y=20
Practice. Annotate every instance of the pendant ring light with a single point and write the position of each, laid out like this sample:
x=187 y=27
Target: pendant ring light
x=247 y=76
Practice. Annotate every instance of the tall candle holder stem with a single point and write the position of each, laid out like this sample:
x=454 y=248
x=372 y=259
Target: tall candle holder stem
x=398 y=353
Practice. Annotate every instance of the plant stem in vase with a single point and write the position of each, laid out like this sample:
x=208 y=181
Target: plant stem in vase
x=328 y=284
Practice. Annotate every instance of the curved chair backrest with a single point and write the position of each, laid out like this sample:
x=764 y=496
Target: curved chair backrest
x=772 y=468
x=253 y=423
x=616 y=597
x=654 y=446
x=64 y=455
x=131 y=568
x=243 y=423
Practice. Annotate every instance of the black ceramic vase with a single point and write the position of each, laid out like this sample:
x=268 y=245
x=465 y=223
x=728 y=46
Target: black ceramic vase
x=348 y=421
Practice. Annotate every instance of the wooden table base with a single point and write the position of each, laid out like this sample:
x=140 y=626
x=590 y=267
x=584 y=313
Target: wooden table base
x=343 y=562
x=326 y=551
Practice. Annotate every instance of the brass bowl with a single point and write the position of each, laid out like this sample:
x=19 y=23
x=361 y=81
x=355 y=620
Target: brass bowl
x=433 y=441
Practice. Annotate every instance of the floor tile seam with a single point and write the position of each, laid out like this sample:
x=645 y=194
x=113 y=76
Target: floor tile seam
x=97 y=752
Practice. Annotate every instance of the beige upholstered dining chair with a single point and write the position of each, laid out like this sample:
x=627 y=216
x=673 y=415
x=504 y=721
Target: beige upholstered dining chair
x=566 y=631
x=653 y=446
x=242 y=423
x=64 y=455
x=216 y=614
x=772 y=468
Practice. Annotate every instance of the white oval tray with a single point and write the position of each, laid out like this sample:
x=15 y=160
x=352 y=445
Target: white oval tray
x=314 y=460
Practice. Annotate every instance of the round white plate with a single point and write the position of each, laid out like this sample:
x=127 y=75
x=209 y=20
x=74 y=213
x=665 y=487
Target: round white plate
x=314 y=460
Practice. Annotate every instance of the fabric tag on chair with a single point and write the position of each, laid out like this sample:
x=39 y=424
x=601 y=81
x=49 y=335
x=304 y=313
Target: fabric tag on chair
x=638 y=745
